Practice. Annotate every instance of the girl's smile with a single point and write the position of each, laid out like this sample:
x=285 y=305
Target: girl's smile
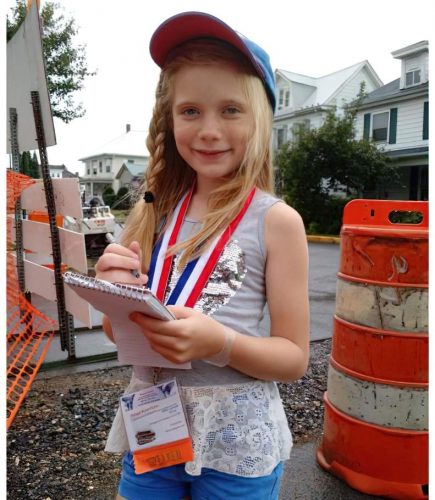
x=213 y=155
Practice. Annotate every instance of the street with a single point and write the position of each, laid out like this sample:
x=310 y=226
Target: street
x=324 y=261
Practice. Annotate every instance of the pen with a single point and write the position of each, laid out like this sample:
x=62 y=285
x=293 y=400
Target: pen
x=111 y=239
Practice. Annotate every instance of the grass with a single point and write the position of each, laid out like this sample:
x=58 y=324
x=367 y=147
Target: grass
x=120 y=215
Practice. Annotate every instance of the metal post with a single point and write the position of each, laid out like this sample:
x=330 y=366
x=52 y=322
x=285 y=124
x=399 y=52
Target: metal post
x=66 y=335
x=15 y=153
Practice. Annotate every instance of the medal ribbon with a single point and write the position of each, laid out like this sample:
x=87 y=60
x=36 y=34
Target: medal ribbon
x=194 y=277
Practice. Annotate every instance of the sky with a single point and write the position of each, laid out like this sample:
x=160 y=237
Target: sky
x=313 y=38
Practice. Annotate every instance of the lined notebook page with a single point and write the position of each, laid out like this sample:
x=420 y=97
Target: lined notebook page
x=117 y=302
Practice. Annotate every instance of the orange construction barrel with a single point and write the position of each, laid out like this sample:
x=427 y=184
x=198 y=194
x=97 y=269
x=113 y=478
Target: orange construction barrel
x=376 y=405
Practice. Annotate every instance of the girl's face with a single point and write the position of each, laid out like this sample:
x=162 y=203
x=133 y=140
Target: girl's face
x=212 y=120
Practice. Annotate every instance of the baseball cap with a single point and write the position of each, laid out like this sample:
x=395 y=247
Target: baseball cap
x=189 y=25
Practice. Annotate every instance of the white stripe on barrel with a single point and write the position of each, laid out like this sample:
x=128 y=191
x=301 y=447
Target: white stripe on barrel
x=380 y=404
x=387 y=308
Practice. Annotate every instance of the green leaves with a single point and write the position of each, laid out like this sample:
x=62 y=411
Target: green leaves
x=65 y=62
x=326 y=167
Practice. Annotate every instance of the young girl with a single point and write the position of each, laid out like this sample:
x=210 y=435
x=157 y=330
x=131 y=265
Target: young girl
x=228 y=248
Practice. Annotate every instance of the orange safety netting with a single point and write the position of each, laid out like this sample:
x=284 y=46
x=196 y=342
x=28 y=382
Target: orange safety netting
x=29 y=332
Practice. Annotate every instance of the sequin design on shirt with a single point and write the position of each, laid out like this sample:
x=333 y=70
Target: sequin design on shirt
x=224 y=282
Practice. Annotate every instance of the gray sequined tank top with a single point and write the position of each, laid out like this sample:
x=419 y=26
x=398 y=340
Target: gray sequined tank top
x=235 y=293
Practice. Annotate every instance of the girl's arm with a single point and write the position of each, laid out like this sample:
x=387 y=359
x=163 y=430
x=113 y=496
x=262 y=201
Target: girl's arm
x=284 y=355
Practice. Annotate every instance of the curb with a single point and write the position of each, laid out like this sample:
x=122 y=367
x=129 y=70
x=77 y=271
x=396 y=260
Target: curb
x=323 y=239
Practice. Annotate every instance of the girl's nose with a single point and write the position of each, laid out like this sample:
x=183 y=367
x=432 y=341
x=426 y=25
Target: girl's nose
x=210 y=128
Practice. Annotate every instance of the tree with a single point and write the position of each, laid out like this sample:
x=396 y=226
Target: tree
x=29 y=165
x=330 y=160
x=65 y=63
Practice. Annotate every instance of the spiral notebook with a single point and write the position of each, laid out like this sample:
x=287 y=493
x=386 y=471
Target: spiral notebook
x=117 y=301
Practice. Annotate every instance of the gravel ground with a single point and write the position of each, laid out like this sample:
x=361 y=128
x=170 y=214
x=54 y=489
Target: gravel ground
x=55 y=446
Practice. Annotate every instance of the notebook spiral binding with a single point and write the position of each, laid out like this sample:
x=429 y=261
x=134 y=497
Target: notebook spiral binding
x=128 y=291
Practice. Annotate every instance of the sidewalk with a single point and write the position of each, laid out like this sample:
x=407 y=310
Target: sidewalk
x=304 y=479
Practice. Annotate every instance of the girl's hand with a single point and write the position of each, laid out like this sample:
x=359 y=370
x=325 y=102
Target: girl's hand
x=192 y=336
x=117 y=263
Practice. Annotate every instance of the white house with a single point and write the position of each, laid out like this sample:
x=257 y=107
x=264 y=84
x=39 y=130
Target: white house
x=396 y=117
x=102 y=167
x=60 y=172
x=304 y=100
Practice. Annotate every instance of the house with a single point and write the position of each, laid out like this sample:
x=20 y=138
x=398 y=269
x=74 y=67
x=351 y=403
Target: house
x=396 y=117
x=60 y=172
x=131 y=174
x=303 y=101
x=102 y=167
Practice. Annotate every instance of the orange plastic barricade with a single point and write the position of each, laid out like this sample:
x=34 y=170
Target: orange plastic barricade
x=376 y=404
x=29 y=332
x=42 y=216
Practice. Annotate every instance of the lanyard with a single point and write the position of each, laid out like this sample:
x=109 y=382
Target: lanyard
x=195 y=275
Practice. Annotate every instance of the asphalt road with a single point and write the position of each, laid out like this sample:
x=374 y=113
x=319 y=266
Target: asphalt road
x=323 y=267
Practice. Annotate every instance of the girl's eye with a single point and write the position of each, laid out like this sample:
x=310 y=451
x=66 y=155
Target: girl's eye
x=189 y=112
x=231 y=110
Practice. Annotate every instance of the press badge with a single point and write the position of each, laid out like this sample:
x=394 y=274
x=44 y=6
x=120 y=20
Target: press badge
x=156 y=426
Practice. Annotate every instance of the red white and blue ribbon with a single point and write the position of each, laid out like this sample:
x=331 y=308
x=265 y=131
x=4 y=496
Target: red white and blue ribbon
x=195 y=275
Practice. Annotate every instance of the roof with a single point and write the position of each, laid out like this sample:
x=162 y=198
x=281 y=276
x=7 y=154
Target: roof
x=411 y=50
x=135 y=169
x=131 y=143
x=326 y=86
x=65 y=171
x=400 y=153
x=392 y=90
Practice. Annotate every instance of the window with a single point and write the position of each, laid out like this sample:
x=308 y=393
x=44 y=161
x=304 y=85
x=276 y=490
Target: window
x=280 y=137
x=94 y=170
x=107 y=168
x=100 y=165
x=380 y=126
x=413 y=77
x=89 y=171
x=283 y=98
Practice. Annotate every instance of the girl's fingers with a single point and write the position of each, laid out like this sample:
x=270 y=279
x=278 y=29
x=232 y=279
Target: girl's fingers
x=116 y=261
x=181 y=312
x=161 y=340
x=169 y=354
x=147 y=322
x=122 y=277
x=135 y=247
x=115 y=248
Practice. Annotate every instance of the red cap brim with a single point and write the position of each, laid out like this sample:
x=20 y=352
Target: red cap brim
x=189 y=25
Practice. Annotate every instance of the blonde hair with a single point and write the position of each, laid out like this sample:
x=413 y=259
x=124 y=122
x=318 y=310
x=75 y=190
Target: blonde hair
x=168 y=176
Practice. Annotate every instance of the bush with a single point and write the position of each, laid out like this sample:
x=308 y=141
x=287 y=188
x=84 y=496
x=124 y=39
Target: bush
x=328 y=220
x=122 y=198
x=109 y=196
